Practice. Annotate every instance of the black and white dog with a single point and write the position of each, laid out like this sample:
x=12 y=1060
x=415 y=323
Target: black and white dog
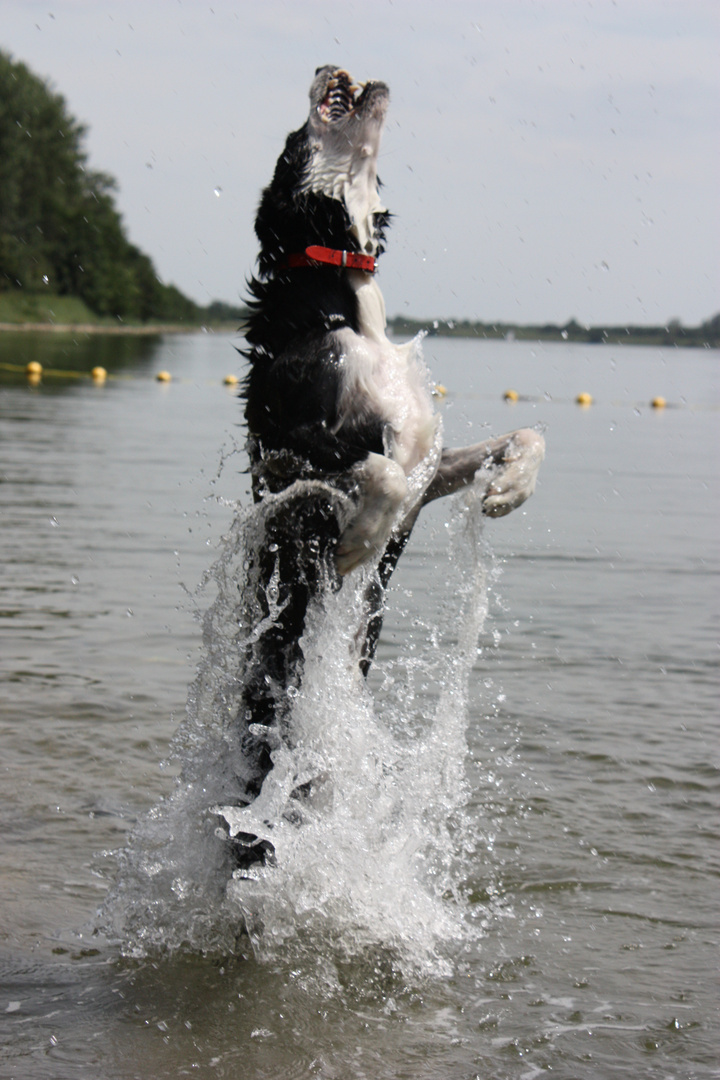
x=344 y=444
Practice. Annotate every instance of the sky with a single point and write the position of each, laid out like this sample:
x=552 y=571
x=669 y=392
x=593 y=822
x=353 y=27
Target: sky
x=543 y=159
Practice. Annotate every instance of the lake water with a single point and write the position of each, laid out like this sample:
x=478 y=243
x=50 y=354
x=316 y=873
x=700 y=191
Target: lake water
x=521 y=877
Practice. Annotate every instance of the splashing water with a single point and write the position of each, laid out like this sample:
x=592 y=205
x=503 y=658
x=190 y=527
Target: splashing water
x=372 y=857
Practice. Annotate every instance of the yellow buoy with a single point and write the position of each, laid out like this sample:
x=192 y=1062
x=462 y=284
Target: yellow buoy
x=439 y=390
x=584 y=399
x=163 y=376
x=658 y=403
x=98 y=374
x=511 y=395
x=230 y=380
x=33 y=370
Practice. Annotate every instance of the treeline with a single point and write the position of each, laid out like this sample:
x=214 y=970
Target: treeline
x=221 y=312
x=60 y=231
x=707 y=335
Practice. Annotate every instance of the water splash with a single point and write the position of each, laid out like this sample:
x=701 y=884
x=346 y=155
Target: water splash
x=372 y=857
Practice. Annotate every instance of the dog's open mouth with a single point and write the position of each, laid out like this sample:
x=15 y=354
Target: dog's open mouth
x=341 y=97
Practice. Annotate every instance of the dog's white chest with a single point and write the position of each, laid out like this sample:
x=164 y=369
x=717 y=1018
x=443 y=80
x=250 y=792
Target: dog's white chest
x=386 y=380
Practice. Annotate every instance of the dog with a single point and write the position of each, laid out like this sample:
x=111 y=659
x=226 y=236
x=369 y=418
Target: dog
x=343 y=440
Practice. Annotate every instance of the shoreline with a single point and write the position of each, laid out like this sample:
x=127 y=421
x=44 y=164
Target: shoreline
x=397 y=327
x=100 y=328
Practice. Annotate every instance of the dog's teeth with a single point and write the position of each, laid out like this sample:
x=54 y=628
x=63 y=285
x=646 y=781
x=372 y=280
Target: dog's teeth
x=340 y=96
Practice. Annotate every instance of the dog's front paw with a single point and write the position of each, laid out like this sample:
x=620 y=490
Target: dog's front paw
x=383 y=488
x=514 y=473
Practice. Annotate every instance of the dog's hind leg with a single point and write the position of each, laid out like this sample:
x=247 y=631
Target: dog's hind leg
x=292 y=566
x=375 y=595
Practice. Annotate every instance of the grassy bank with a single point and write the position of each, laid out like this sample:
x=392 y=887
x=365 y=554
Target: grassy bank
x=18 y=307
x=21 y=310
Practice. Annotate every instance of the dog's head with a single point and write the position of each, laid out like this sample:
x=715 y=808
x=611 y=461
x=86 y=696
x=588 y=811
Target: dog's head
x=325 y=187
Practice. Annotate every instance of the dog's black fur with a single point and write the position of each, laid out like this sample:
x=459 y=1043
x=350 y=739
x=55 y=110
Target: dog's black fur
x=323 y=452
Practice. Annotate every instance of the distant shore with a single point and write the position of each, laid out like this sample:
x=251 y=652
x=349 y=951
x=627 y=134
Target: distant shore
x=674 y=335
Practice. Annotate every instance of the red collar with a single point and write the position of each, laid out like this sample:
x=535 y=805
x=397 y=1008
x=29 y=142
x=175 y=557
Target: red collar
x=313 y=255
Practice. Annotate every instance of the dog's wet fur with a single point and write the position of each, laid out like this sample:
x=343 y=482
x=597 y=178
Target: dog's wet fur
x=340 y=420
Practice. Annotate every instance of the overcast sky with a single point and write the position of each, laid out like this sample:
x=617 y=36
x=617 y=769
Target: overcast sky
x=544 y=159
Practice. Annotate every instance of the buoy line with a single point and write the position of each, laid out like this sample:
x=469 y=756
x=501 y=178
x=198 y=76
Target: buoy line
x=35 y=372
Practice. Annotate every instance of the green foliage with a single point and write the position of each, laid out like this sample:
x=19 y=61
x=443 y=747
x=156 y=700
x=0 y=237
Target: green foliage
x=59 y=227
x=21 y=306
x=219 y=311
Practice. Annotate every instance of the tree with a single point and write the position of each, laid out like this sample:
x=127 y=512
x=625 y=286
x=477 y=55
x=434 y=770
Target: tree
x=59 y=226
